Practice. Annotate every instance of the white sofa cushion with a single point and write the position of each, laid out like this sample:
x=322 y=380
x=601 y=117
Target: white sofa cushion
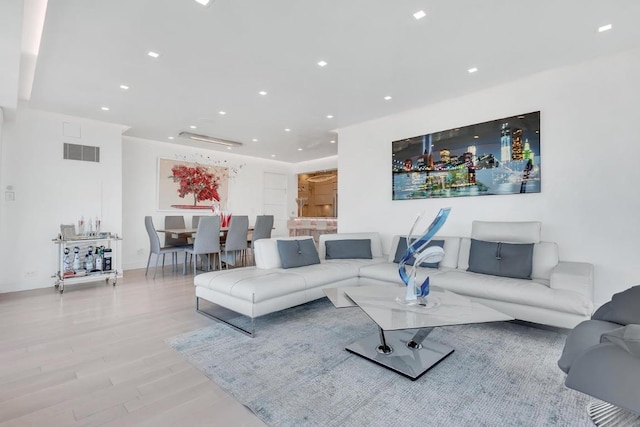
x=266 y=251
x=256 y=285
x=545 y=259
x=330 y=271
x=518 y=291
x=508 y=232
x=251 y=284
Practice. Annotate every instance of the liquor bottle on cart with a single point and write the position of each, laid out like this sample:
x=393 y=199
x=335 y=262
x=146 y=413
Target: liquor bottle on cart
x=66 y=262
x=88 y=259
x=99 y=259
x=76 y=258
x=107 y=261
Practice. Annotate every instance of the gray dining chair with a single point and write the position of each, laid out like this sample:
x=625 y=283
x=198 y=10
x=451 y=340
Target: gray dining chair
x=262 y=230
x=207 y=242
x=236 y=242
x=194 y=220
x=174 y=221
x=157 y=250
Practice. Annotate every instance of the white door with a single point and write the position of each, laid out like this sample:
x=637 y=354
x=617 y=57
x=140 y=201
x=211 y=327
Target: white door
x=275 y=201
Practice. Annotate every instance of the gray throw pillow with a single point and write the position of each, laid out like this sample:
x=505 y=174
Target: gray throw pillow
x=297 y=253
x=501 y=259
x=402 y=248
x=627 y=338
x=348 y=249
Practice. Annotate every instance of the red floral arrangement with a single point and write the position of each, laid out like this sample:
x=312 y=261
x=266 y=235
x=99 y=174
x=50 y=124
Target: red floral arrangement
x=197 y=181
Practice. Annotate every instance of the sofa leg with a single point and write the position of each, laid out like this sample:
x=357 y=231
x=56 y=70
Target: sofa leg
x=606 y=414
x=250 y=332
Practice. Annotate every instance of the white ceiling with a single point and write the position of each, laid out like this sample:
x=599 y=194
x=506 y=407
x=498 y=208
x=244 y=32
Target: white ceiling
x=218 y=58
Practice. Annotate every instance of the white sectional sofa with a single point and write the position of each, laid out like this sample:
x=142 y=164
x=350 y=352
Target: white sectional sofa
x=559 y=293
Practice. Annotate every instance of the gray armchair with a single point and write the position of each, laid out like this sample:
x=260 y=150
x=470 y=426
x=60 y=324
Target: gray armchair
x=602 y=358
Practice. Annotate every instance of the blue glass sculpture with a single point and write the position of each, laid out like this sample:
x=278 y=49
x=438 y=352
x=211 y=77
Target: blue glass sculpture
x=417 y=249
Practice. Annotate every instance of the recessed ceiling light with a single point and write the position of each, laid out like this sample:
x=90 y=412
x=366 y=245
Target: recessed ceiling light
x=193 y=127
x=287 y=130
x=475 y=137
x=299 y=149
x=322 y=63
x=255 y=139
x=273 y=155
x=170 y=137
x=104 y=108
x=124 y=87
x=153 y=54
x=222 y=113
x=203 y=2
x=263 y=93
x=333 y=141
x=419 y=14
x=605 y=28
x=329 y=116
x=228 y=148
x=472 y=70
x=387 y=98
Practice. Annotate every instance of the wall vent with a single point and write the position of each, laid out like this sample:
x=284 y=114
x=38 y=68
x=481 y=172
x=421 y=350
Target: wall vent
x=85 y=153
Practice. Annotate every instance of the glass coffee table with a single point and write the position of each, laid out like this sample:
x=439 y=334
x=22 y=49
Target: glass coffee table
x=401 y=343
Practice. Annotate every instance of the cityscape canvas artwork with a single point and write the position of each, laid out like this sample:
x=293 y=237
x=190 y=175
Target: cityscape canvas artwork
x=497 y=157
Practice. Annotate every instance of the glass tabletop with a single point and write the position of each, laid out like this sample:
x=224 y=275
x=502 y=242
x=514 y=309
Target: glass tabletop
x=385 y=306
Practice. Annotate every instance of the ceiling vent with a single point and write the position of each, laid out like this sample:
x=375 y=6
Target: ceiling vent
x=85 y=153
x=211 y=139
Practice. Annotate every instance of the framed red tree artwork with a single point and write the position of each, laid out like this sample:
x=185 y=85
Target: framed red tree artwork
x=191 y=185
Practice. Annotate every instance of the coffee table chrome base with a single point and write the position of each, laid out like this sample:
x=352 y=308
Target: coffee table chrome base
x=605 y=414
x=406 y=352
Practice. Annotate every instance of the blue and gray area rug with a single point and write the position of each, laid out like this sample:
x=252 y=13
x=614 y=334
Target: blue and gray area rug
x=295 y=372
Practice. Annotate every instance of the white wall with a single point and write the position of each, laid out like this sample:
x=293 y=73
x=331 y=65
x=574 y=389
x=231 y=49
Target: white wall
x=140 y=177
x=325 y=163
x=50 y=191
x=590 y=195
x=10 y=35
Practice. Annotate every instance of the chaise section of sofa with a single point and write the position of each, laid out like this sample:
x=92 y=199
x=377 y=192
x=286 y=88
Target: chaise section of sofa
x=268 y=287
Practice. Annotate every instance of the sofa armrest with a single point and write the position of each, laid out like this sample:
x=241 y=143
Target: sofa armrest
x=573 y=276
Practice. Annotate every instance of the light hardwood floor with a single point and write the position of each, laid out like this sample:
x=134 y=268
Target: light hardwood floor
x=96 y=355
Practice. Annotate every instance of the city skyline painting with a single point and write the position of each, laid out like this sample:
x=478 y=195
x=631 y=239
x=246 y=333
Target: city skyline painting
x=497 y=157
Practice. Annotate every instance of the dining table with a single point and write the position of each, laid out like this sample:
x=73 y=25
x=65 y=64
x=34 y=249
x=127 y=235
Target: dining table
x=189 y=232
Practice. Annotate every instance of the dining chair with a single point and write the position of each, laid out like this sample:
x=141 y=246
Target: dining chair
x=194 y=224
x=207 y=242
x=155 y=248
x=261 y=230
x=194 y=220
x=174 y=221
x=236 y=242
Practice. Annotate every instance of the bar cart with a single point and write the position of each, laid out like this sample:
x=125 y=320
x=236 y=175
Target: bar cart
x=108 y=271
